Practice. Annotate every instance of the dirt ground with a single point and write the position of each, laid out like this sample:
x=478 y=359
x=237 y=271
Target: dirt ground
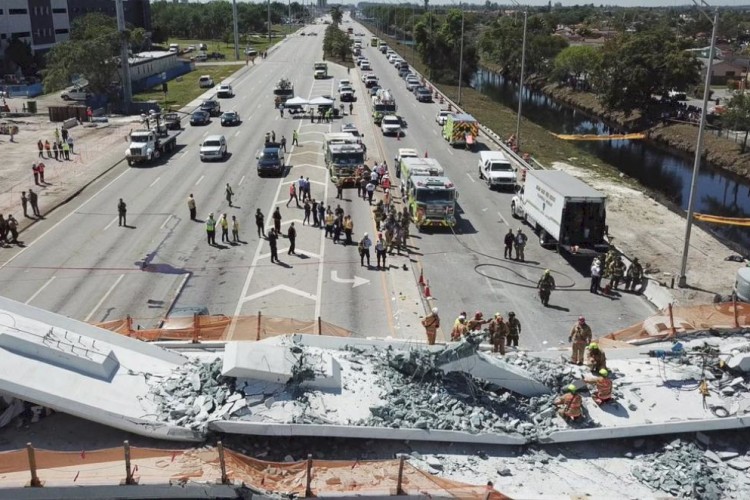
x=641 y=227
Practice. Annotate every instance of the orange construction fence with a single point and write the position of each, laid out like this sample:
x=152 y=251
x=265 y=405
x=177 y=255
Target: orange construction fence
x=677 y=319
x=308 y=478
x=223 y=328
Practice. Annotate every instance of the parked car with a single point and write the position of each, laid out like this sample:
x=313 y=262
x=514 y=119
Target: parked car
x=365 y=66
x=225 y=90
x=423 y=95
x=200 y=117
x=173 y=121
x=374 y=90
x=442 y=116
x=205 y=82
x=214 y=148
x=412 y=84
x=391 y=125
x=230 y=118
x=211 y=106
x=76 y=94
x=350 y=128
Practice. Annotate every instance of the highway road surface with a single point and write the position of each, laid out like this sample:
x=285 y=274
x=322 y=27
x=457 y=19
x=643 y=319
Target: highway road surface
x=80 y=263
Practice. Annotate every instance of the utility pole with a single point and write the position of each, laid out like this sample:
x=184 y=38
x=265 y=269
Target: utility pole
x=520 y=82
x=269 y=21
x=127 y=89
x=461 y=60
x=682 y=282
x=236 y=31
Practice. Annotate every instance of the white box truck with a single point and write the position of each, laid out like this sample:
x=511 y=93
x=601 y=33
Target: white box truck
x=564 y=211
x=495 y=168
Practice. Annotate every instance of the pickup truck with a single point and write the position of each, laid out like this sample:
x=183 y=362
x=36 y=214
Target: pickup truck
x=564 y=211
x=149 y=144
x=173 y=121
x=496 y=170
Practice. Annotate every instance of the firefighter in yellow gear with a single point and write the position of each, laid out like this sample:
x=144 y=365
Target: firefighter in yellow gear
x=603 y=385
x=570 y=404
x=596 y=359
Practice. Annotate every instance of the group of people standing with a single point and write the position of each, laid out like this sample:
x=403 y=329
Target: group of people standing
x=60 y=149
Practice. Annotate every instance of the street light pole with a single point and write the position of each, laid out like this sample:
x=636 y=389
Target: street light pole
x=520 y=81
x=269 y=21
x=236 y=31
x=682 y=282
x=461 y=60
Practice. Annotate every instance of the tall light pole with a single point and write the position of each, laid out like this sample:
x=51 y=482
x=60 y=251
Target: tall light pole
x=461 y=60
x=520 y=81
x=127 y=89
x=236 y=31
x=682 y=282
x=269 y=21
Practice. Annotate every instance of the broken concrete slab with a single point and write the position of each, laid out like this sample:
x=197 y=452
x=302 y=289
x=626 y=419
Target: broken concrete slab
x=278 y=364
x=740 y=361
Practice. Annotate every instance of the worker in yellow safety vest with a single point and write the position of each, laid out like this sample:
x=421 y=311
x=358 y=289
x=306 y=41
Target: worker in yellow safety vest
x=569 y=404
x=603 y=384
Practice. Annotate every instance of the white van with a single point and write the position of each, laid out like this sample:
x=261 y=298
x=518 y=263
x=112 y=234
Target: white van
x=174 y=47
x=205 y=82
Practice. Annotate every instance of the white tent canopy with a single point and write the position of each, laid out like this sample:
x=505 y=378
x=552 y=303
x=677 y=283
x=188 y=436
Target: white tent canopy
x=296 y=101
x=321 y=101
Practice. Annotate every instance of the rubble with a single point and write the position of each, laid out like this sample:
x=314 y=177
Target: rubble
x=683 y=470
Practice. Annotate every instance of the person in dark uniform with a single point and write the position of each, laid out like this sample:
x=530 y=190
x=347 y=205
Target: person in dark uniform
x=272 y=238
x=122 y=210
x=260 y=221
x=277 y=221
x=292 y=235
x=24 y=202
x=509 y=240
x=34 y=202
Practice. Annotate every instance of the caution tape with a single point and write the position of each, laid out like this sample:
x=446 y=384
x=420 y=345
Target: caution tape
x=729 y=221
x=594 y=137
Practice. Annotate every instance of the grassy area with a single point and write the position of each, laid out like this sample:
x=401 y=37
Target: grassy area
x=185 y=88
x=258 y=42
x=535 y=139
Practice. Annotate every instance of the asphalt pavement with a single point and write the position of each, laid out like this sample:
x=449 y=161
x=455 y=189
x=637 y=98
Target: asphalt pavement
x=79 y=262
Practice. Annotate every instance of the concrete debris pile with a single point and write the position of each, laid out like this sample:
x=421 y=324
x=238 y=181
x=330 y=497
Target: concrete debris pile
x=683 y=470
x=418 y=394
x=195 y=394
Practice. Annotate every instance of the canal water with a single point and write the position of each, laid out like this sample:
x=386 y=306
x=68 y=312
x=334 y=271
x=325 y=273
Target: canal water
x=718 y=192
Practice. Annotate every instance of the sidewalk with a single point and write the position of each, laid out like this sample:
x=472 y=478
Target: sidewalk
x=98 y=147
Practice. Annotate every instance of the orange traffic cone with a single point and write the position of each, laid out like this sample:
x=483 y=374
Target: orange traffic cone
x=427 y=294
x=421 y=277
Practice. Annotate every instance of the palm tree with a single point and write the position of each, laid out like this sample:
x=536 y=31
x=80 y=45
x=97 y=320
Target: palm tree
x=336 y=14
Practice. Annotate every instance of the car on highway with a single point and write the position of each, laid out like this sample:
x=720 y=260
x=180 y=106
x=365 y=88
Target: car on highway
x=172 y=121
x=350 y=128
x=374 y=90
x=412 y=84
x=270 y=160
x=442 y=116
x=214 y=148
x=344 y=83
x=371 y=81
x=211 y=106
x=205 y=82
x=200 y=117
x=75 y=94
x=365 y=66
x=422 y=94
x=230 y=118
x=224 y=91
x=391 y=125
x=312 y=33
x=347 y=95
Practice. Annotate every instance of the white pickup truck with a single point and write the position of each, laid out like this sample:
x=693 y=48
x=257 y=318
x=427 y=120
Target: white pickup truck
x=496 y=170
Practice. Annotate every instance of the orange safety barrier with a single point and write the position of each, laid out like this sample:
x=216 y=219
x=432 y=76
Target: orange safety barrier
x=224 y=328
x=151 y=466
x=677 y=320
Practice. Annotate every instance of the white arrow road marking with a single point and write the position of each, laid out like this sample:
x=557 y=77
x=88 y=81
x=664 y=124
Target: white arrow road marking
x=356 y=281
x=277 y=288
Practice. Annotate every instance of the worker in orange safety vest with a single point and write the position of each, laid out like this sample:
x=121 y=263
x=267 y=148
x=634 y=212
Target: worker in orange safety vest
x=603 y=384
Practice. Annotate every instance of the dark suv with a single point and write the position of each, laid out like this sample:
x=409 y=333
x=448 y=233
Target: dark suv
x=211 y=107
x=271 y=160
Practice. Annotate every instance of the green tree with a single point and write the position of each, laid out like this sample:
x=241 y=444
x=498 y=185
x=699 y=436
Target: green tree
x=577 y=62
x=19 y=52
x=636 y=66
x=90 y=53
x=440 y=47
x=336 y=14
x=737 y=115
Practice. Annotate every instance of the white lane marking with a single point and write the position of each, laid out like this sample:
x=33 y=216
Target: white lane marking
x=111 y=222
x=40 y=289
x=241 y=181
x=502 y=219
x=236 y=134
x=63 y=219
x=157 y=180
x=450 y=149
x=104 y=297
x=184 y=153
x=164 y=224
x=199 y=180
x=276 y=288
x=470 y=177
